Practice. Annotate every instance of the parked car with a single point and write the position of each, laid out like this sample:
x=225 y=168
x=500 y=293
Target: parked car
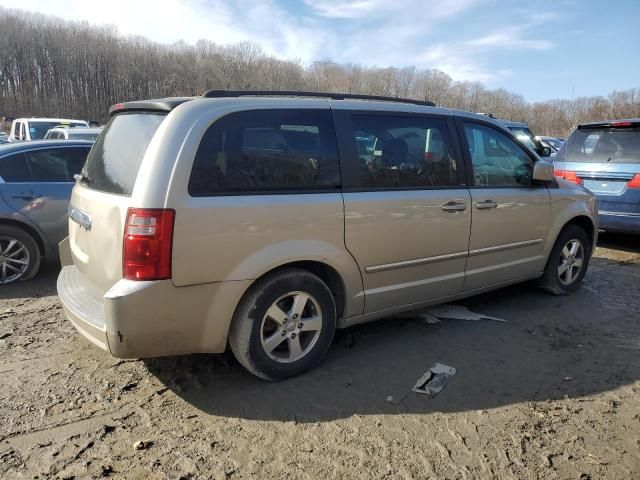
x=35 y=185
x=553 y=151
x=265 y=221
x=4 y=138
x=605 y=158
x=27 y=129
x=524 y=135
x=77 y=133
x=552 y=141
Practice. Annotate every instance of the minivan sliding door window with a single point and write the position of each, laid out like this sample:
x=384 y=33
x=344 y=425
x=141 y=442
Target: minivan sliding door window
x=267 y=151
x=403 y=152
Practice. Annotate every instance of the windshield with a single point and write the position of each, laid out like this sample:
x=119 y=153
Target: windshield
x=554 y=142
x=83 y=136
x=524 y=135
x=606 y=144
x=113 y=163
x=38 y=130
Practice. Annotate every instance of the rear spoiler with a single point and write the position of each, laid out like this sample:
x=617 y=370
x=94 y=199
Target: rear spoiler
x=159 y=105
x=611 y=124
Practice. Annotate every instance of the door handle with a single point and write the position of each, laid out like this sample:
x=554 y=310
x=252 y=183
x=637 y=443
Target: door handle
x=454 y=207
x=27 y=195
x=486 y=204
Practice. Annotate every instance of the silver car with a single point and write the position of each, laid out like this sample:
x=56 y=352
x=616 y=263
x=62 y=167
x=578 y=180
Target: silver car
x=35 y=186
x=266 y=221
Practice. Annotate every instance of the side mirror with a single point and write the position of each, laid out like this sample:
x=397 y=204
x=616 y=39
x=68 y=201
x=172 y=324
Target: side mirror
x=542 y=171
x=546 y=152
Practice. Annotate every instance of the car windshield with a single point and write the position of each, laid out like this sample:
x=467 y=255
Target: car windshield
x=526 y=138
x=83 y=136
x=38 y=130
x=615 y=145
x=554 y=142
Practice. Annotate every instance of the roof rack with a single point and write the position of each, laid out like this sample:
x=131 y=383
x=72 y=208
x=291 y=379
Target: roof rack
x=294 y=93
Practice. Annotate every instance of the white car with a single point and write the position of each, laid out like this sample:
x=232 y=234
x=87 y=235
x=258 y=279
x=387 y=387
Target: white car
x=27 y=129
x=76 y=133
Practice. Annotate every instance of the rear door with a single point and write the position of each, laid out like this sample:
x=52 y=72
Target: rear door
x=100 y=200
x=407 y=208
x=510 y=213
x=38 y=184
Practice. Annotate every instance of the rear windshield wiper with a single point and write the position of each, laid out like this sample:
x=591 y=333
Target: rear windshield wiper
x=82 y=178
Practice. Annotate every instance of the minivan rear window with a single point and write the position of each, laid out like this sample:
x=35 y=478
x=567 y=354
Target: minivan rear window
x=615 y=145
x=113 y=163
x=267 y=151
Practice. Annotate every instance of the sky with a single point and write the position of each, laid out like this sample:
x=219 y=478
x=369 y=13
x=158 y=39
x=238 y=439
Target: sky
x=540 y=49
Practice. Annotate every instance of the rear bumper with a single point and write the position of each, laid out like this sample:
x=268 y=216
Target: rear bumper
x=83 y=309
x=619 y=222
x=150 y=319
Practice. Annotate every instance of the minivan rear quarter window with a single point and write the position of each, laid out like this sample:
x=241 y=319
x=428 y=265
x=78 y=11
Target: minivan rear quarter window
x=113 y=163
x=606 y=144
x=267 y=151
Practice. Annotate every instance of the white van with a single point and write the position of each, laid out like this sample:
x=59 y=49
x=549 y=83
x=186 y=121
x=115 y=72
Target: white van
x=27 y=129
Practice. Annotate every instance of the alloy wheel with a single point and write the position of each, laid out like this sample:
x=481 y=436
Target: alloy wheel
x=291 y=327
x=571 y=261
x=14 y=259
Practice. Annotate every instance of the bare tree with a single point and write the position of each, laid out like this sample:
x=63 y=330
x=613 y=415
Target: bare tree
x=53 y=67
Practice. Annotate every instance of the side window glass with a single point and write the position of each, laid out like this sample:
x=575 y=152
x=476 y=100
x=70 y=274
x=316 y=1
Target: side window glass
x=497 y=160
x=404 y=151
x=14 y=168
x=267 y=150
x=49 y=165
x=76 y=158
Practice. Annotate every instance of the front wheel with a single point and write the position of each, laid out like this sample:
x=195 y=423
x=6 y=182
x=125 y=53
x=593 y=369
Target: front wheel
x=284 y=325
x=568 y=262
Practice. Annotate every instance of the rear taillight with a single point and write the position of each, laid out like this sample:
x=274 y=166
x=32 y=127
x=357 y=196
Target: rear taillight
x=569 y=176
x=146 y=249
x=635 y=181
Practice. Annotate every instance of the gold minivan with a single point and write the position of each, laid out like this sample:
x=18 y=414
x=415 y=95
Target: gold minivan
x=266 y=220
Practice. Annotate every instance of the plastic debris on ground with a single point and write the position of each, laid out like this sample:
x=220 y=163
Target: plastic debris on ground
x=434 y=380
x=455 y=312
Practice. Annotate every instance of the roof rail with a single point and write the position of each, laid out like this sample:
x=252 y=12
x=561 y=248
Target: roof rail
x=294 y=93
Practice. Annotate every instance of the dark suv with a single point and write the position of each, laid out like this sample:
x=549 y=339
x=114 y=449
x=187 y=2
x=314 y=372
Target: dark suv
x=605 y=158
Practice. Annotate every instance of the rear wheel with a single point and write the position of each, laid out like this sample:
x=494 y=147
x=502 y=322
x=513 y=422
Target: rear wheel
x=568 y=262
x=284 y=325
x=19 y=255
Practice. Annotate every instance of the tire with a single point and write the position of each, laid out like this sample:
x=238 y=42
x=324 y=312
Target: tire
x=562 y=275
x=17 y=247
x=285 y=303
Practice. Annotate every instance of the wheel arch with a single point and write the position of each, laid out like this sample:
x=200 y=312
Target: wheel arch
x=28 y=229
x=329 y=275
x=584 y=222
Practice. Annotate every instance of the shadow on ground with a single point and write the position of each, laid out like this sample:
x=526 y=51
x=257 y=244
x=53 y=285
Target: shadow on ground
x=551 y=347
x=44 y=284
x=619 y=241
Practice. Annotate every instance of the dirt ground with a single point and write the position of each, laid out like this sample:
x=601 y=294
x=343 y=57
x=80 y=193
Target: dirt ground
x=551 y=393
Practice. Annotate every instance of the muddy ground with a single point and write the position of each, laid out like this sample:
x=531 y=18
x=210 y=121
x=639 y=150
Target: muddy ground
x=554 y=392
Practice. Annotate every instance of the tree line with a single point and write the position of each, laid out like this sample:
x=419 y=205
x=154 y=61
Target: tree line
x=59 y=68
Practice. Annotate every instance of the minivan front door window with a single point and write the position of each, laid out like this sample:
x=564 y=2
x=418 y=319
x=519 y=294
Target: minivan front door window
x=497 y=160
